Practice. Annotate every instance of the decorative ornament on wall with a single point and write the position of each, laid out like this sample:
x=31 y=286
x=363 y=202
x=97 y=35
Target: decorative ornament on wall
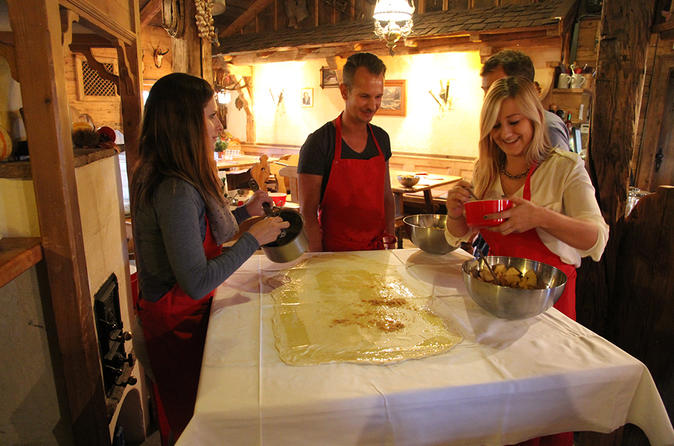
x=204 y=21
x=173 y=17
x=158 y=56
x=277 y=95
x=393 y=21
x=443 y=97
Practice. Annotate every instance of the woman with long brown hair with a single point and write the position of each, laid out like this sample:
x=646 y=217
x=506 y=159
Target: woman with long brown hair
x=180 y=221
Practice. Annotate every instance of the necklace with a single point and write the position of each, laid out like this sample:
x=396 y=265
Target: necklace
x=503 y=170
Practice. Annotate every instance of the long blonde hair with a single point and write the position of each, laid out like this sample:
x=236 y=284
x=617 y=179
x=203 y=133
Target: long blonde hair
x=490 y=155
x=173 y=139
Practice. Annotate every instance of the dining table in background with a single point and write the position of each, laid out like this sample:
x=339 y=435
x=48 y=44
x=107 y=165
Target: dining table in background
x=426 y=183
x=240 y=162
x=507 y=381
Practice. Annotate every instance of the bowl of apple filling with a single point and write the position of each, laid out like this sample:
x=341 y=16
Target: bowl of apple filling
x=519 y=288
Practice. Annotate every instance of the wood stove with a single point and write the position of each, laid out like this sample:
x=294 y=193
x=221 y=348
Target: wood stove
x=116 y=363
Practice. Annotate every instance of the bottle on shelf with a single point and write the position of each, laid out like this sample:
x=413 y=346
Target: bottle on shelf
x=567 y=121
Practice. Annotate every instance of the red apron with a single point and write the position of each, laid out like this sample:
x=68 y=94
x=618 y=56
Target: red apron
x=175 y=332
x=528 y=245
x=352 y=214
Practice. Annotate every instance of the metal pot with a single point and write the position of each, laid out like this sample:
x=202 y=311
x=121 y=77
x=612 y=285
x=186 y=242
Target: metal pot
x=291 y=243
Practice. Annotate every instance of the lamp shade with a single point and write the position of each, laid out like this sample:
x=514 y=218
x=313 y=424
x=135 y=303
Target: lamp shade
x=218 y=7
x=393 y=11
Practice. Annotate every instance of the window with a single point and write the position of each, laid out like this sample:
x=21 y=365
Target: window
x=94 y=84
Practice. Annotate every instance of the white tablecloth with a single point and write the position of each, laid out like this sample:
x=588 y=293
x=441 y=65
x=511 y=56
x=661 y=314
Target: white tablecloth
x=506 y=382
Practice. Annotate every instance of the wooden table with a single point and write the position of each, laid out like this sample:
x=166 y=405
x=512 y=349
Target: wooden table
x=239 y=162
x=425 y=184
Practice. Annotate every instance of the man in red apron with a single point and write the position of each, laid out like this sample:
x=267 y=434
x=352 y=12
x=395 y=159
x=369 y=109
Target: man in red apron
x=344 y=185
x=175 y=332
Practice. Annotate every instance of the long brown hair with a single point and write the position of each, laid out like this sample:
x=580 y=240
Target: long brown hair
x=173 y=139
x=491 y=157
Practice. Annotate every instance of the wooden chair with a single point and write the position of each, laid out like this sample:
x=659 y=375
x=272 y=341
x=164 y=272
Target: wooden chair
x=282 y=182
x=240 y=180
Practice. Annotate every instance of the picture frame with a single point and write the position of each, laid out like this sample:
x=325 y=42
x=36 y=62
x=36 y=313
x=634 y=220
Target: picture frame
x=394 y=101
x=307 y=97
x=329 y=77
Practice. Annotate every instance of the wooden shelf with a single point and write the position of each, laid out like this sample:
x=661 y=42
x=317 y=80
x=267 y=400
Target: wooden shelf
x=82 y=157
x=571 y=90
x=17 y=254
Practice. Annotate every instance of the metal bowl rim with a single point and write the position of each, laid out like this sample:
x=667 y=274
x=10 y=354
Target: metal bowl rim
x=407 y=218
x=467 y=272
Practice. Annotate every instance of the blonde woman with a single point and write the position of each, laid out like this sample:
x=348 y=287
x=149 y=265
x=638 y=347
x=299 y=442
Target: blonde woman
x=555 y=218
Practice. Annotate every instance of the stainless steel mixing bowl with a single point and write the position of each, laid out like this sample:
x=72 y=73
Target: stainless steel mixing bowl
x=428 y=232
x=515 y=303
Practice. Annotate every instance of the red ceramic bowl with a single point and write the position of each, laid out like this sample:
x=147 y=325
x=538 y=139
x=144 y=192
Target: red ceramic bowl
x=279 y=198
x=476 y=210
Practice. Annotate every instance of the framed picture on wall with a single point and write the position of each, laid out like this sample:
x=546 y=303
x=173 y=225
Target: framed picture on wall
x=394 y=101
x=329 y=78
x=307 y=97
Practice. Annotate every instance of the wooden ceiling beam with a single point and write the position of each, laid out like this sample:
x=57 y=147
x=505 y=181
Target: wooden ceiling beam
x=245 y=18
x=149 y=12
x=91 y=41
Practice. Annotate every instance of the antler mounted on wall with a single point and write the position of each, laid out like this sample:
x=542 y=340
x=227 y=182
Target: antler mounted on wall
x=158 y=56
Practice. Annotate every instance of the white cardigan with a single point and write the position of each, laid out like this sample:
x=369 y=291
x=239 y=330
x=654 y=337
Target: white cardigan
x=562 y=184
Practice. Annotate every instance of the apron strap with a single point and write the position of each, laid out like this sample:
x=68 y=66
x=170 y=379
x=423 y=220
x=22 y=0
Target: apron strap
x=526 y=193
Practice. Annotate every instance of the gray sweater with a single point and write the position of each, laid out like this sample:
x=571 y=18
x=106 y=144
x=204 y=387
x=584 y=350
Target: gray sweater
x=169 y=235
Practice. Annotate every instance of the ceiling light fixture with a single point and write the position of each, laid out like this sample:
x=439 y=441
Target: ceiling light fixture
x=219 y=7
x=393 y=21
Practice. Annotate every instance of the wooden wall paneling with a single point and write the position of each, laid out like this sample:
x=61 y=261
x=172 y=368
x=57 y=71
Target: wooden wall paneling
x=151 y=9
x=192 y=40
x=112 y=17
x=620 y=74
x=244 y=19
x=103 y=110
x=155 y=38
x=7 y=51
x=206 y=64
x=588 y=38
x=653 y=137
x=187 y=48
x=643 y=307
x=36 y=25
x=625 y=35
x=650 y=69
x=130 y=91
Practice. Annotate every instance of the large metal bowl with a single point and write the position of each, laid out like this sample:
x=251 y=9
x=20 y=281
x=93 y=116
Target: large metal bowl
x=515 y=303
x=428 y=232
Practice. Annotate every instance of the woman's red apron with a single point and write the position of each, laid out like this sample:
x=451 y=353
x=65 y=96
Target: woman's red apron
x=175 y=332
x=528 y=245
x=352 y=213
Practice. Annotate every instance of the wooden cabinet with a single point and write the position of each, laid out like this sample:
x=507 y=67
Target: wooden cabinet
x=577 y=101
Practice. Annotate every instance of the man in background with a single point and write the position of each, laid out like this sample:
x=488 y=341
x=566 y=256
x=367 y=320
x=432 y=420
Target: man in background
x=344 y=186
x=515 y=63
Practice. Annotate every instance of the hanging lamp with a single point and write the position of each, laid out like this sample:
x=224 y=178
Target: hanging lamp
x=393 y=21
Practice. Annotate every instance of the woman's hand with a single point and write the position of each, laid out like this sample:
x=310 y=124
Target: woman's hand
x=456 y=197
x=523 y=216
x=268 y=229
x=254 y=204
